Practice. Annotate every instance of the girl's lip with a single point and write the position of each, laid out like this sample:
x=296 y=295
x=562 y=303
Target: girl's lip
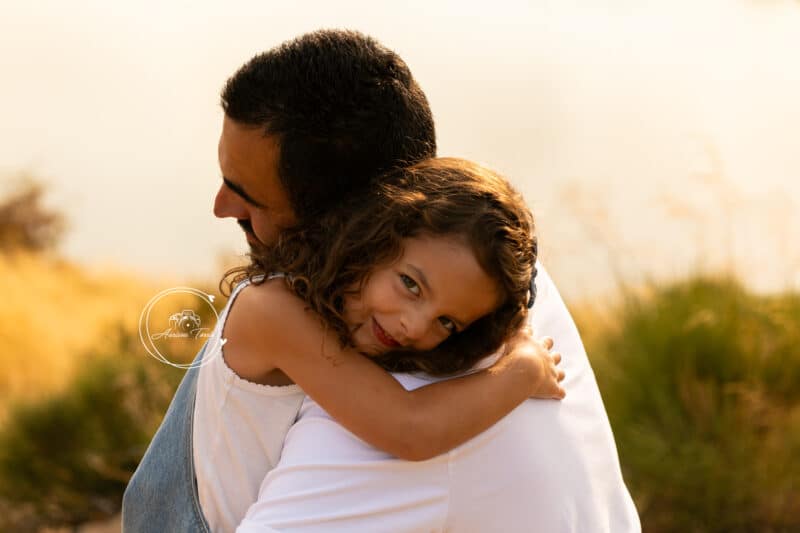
x=383 y=337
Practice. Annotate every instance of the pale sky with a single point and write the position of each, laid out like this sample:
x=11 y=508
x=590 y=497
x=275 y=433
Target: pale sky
x=648 y=137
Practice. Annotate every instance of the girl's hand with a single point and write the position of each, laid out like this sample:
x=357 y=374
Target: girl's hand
x=535 y=357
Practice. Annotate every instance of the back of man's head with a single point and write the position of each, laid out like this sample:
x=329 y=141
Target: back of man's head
x=343 y=107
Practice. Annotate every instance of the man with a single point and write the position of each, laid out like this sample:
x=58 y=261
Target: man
x=548 y=466
x=306 y=123
x=315 y=120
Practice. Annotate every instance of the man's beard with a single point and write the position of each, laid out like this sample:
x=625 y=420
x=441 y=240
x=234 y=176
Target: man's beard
x=246 y=226
x=254 y=245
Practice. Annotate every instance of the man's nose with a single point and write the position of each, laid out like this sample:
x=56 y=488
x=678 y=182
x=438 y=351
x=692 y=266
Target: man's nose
x=225 y=204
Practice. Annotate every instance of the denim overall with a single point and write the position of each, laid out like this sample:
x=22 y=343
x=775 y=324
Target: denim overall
x=162 y=494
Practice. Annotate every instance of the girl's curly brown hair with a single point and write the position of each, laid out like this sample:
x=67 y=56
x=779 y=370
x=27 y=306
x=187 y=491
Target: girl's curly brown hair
x=437 y=197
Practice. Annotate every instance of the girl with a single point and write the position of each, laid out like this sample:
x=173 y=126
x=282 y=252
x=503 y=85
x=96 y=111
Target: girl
x=430 y=271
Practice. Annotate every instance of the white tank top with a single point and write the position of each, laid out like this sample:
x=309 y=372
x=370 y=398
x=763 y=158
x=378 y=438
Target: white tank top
x=238 y=433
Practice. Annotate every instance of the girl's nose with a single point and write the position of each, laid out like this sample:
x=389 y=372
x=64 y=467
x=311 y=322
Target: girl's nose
x=414 y=326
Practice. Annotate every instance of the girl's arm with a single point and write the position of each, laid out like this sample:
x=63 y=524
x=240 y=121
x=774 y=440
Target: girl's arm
x=270 y=328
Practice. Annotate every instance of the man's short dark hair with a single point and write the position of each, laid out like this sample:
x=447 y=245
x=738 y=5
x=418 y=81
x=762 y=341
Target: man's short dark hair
x=343 y=107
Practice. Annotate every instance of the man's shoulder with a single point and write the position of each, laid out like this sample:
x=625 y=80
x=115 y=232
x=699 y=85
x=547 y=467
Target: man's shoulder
x=549 y=463
x=544 y=462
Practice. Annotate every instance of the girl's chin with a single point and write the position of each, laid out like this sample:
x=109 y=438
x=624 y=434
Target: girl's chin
x=365 y=345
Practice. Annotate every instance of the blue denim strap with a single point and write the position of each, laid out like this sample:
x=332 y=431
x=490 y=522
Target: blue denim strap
x=162 y=494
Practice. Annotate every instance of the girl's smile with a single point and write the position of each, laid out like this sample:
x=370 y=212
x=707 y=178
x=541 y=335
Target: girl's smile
x=434 y=289
x=383 y=337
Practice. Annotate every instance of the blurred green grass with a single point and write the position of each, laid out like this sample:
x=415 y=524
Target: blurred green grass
x=701 y=381
x=66 y=459
x=79 y=396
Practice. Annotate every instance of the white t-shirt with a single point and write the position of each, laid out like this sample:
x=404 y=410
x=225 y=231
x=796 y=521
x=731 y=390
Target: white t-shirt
x=238 y=431
x=548 y=466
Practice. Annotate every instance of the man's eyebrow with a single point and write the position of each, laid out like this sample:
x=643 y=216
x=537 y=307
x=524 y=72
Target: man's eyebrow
x=241 y=192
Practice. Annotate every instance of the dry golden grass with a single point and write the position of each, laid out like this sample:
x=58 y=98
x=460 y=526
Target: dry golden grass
x=598 y=317
x=593 y=321
x=52 y=313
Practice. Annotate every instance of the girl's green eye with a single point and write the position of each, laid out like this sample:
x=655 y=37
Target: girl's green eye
x=410 y=284
x=448 y=324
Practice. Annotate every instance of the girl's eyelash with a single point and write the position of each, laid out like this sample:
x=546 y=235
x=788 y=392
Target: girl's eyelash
x=452 y=328
x=413 y=287
x=410 y=284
